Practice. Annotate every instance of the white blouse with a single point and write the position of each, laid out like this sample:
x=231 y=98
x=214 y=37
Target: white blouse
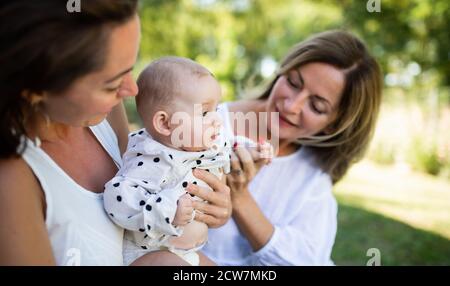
x=296 y=196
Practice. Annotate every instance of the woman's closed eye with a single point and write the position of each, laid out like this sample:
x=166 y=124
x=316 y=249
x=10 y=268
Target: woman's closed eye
x=292 y=83
x=317 y=106
x=113 y=89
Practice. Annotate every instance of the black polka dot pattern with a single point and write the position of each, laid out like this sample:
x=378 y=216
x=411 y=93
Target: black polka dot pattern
x=158 y=200
x=149 y=227
x=145 y=182
x=140 y=132
x=199 y=162
x=167 y=220
x=185 y=184
x=144 y=247
x=156 y=160
x=140 y=163
x=170 y=156
x=138 y=154
x=148 y=207
x=119 y=198
x=111 y=214
x=141 y=203
x=141 y=230
x=116 y=185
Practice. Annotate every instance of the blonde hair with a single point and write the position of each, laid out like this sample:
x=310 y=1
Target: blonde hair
x=360 y=103
x=161 y=81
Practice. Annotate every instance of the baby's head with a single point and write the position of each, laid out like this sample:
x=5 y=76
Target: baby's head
x=177 y=103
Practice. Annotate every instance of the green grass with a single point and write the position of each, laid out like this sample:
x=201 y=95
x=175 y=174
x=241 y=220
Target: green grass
x=406 y=215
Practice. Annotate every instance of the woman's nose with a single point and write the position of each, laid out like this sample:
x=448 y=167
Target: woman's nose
x=129 y=86
x=295 y=103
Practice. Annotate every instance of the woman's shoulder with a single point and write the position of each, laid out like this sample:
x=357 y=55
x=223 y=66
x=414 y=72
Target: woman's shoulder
x=19 y=188
x=22 y=209
x=13 y=169
x=16 y=174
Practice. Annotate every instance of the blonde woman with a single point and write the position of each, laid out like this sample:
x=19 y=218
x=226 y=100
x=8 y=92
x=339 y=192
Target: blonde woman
x=327 y=92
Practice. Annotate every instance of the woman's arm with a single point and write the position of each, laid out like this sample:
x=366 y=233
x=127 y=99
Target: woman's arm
x=23 y=234
x=119 y=123
x=248 y=216
x=251 y=221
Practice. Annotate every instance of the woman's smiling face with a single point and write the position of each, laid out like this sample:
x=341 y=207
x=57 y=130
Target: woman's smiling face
x=307 y=99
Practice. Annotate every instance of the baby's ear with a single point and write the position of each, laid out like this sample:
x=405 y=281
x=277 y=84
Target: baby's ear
x=161 y=122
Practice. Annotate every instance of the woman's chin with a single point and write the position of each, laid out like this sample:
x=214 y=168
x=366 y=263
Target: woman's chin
x=95 y=121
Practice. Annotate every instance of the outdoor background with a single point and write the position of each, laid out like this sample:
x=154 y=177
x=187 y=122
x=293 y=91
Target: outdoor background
x=397 y=199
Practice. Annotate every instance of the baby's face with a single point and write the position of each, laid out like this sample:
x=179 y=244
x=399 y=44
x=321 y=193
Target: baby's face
x=196 y=122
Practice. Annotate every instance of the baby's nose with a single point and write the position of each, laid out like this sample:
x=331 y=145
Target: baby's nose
x=217 y=122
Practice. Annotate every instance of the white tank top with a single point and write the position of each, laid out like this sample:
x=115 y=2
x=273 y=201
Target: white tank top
x=79 y=229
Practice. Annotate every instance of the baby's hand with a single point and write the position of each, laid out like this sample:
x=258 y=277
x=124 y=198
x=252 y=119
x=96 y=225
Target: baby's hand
x=184 y=211
x=265 y=151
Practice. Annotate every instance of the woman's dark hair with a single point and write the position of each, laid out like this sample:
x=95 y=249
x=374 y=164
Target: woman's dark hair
x=44 y=47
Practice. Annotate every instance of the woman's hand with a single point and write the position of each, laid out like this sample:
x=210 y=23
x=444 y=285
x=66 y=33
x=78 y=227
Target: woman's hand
x=217 y=211
x=245 y=164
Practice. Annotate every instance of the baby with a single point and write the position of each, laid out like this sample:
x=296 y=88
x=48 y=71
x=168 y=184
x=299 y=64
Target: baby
x=177 y=103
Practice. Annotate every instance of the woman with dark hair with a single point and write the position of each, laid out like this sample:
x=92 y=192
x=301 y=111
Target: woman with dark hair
x=326 y=95
x=63 y=129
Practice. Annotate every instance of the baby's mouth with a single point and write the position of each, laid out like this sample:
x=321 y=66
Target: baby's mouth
x=215 y=136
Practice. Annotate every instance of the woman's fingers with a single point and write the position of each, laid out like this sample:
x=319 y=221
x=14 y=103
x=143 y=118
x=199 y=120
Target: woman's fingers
x=247 y=162
x=212 y=181
x=217 y=199
x=200 y=192
x=235 y=163
x=208 y=219
x=219 y=208
x=208 y=209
